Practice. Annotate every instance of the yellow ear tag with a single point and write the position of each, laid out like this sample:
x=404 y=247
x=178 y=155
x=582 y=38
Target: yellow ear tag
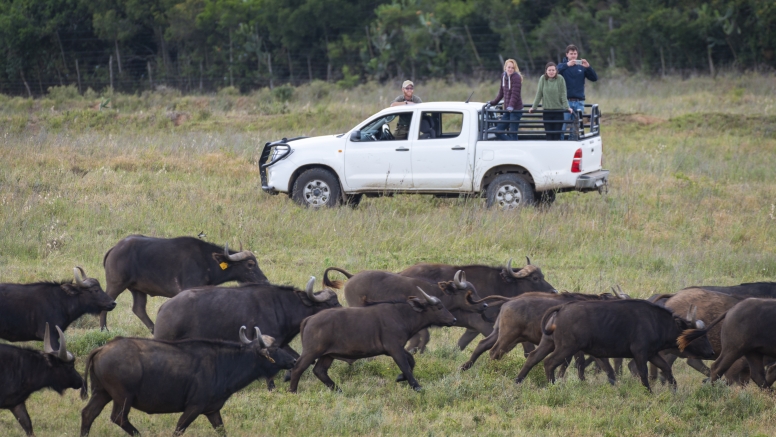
x=224 y=266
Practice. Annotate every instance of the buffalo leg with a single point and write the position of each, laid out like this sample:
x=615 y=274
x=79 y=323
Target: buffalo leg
x=558 y=357
x=723 y=362
x=484 y=344
x=664 y=367
x=467 y=338
x=98 y=401
x=503 y=343
x=611 y=374
x=321 y=370
x=401 y=360
x=120 y=415
x=189 y=415
x=418 y=342
x=756 y=368
x=528 y=347
x=411 y=360
x=217 y=422
x=642 y=370
x=770 y=376
x=301 y=365
x=113 y=290
x=546 y=346
x=139 y=301
x=287 y=375
x=21 y=415
x=738 y=373
x=698 y=365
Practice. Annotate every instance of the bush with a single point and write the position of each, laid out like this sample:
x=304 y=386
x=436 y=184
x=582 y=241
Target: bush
x=348 y=80
x=61 y=94
x=283 y=93
x=229 y=91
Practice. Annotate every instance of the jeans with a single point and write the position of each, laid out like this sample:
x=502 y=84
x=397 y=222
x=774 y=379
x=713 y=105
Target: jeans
x=579 y=107
x=515 y=115
x=557 y=126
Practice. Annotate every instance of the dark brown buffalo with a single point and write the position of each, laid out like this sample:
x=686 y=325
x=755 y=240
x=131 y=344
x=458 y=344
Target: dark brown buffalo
x=519 y=322
x=25 y=371
x=26 y=309
x=376 y=285
x=216 y=313
x=749 y=289
x=192 y=377
x=164 y=267
x=381 y=328
x=747 y=332
x=617 y=329
x=499 y=281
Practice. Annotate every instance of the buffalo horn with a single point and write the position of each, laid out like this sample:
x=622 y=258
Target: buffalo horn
x=63 y=354
x=47 y=341
x=429 y=299
x=522 y=273
x=459 y=284
x=310 y=294
x=700 y=325
x=527 y=260
x=622 y=295
x=78 y=280
x=259 y=338
x=243 y=338
x=239 y=256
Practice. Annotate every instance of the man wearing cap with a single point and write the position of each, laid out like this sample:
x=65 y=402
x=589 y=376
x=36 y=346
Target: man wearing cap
x=406 y=98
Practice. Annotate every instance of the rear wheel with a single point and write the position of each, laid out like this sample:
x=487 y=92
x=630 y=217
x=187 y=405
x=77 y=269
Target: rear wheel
x=316 y=188
x=509 y=191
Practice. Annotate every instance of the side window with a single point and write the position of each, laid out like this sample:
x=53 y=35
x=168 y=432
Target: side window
x=440 y=125
x=388 y=128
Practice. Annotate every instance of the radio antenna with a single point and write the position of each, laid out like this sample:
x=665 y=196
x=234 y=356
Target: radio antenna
x=470 y=96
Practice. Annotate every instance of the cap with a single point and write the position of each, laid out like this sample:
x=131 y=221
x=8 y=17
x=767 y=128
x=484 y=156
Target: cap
x=406 y=83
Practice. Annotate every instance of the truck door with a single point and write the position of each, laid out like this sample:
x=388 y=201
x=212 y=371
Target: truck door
x=382 y=159
x=440 y=150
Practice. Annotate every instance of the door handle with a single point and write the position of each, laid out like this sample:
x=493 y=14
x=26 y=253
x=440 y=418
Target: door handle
x=402 y=150
x=459 y=148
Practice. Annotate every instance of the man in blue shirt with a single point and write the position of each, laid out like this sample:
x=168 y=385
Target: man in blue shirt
x=575 y=71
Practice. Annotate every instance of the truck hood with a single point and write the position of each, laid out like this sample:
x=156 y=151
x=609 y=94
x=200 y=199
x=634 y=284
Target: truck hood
x=317 y=142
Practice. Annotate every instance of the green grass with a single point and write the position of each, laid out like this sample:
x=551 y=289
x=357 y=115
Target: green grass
x=691 y=202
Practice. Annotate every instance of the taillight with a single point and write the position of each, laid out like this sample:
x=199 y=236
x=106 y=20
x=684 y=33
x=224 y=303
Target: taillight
x=577 y=161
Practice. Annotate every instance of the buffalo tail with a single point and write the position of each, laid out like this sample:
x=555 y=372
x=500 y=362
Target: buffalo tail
x=549 y=317
x=335 y=284
x=691 y=334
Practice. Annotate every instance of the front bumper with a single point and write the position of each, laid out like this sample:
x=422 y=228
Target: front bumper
x=265 y=156
x=596 y=180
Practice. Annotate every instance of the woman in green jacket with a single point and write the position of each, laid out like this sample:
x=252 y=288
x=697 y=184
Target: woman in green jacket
x=552 y=95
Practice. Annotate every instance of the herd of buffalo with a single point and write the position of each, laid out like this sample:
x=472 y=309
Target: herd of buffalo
x=202 y=353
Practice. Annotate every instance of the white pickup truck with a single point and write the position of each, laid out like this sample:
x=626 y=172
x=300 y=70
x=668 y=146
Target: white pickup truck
x=447 y=149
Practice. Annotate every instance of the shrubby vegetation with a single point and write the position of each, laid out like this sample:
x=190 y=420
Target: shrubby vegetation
x=206 y=45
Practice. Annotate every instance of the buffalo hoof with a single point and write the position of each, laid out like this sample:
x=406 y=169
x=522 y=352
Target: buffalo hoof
x=518 y=380
x=417 y=388
x=401 y=378
x=270 y=385
x=467 y=365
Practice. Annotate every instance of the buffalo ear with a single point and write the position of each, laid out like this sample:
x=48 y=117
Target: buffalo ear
x=305 y=300
x=219 y=257
x=446 y=287
x=416 y=304
x=70 y=290
x=682 y=324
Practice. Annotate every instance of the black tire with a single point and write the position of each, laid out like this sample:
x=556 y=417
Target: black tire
x=546 y=198
x=353 y=200
x=509 y=191
x=317 y=188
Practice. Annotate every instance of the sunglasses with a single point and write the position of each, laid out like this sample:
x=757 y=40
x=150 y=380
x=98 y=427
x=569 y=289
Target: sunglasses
x=409 y=87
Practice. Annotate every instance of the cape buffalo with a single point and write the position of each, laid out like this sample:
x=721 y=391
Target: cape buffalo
x=216 y=313
x=617 y=329
x=27 y=308
x=25 y=371
x=381 y=328
x=747 y=331
x=748 y=289
x=501 y=281
x=164 y=267
x=192 y=377
x=376 y=285
x=519 y=321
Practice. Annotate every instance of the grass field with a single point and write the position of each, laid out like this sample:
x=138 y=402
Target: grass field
x=691 y=202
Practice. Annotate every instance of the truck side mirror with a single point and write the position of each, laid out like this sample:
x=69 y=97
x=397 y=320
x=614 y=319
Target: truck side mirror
x=355 y=136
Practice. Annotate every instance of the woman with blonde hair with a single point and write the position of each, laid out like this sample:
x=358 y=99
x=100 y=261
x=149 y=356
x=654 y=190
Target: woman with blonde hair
x=511 y=84
x=552 y=95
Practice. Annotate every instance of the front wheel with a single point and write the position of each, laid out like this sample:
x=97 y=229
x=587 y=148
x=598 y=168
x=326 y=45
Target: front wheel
x=316 y=188
x=509 y=191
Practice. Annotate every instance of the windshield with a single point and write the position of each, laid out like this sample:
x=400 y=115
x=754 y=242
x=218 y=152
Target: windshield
x=376 y=125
